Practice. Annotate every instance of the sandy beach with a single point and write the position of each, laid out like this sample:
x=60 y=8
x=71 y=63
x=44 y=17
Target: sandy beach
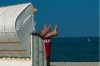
x=27 y=62
x=74 y=64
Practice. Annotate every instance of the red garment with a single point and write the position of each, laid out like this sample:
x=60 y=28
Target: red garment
x=47 y=46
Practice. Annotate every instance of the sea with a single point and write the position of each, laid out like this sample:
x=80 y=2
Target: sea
x=75 y=49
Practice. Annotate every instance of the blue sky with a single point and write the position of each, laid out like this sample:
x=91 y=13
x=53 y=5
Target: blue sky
x=75 y=18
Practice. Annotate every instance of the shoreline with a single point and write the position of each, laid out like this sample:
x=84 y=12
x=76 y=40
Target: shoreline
x=74 y=63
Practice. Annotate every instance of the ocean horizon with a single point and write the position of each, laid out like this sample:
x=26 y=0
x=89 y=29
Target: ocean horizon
x=75 y=49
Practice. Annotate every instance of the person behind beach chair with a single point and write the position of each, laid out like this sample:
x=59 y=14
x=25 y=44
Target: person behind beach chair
x=47 y=40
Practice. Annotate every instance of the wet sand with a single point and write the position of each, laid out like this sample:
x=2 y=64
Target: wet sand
x=74 y=63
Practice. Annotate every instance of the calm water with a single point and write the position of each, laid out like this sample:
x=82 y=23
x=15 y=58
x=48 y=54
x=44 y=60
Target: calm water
x=75 y=49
